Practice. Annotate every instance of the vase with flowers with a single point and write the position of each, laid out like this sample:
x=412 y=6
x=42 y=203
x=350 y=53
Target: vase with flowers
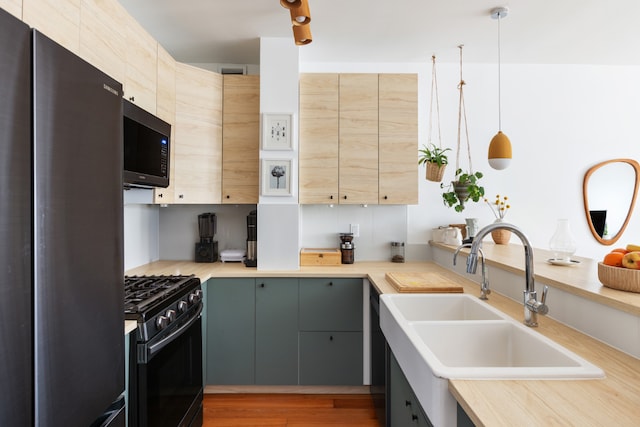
x=499 y=208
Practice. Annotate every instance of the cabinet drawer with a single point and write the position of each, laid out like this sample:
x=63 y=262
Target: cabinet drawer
x=330 y=304
x=330 y=358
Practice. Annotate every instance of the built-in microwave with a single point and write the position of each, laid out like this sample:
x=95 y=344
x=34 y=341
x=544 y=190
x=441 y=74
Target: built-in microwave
x=146 y=148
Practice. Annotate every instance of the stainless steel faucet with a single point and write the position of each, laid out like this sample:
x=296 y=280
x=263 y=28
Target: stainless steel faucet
x=531 y=306
x=484 y=286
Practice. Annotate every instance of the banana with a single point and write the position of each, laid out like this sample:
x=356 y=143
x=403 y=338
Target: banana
x=633 y=248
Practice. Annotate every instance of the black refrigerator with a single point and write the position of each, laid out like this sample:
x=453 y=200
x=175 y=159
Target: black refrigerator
x=61 y=236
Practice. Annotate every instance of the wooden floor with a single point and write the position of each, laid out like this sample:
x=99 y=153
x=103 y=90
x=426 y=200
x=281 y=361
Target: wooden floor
x=290 y=410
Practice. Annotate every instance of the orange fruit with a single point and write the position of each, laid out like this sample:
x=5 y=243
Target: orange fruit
x=621 y=250
x=614 y=259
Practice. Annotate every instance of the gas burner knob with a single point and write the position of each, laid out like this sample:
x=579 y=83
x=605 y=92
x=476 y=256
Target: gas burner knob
x=182 y=306
x=171 y=315
x=162 y=322
x=195 y=297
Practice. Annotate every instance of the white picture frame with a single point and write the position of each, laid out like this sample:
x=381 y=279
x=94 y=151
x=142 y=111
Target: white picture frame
x=277 y=131
x=276 y=177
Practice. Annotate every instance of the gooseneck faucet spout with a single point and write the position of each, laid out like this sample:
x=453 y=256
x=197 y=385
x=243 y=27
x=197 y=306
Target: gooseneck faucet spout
x=484 y=286
x=531 y=306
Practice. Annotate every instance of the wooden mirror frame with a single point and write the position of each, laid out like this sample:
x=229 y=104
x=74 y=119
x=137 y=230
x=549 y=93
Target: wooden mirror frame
x=636 y=166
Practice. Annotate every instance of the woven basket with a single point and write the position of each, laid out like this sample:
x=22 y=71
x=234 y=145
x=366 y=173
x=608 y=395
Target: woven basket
x=624 y=279
x=501 y=237
x=435 y=172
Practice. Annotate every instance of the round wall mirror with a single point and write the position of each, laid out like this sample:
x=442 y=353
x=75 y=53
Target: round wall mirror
x=609 y=191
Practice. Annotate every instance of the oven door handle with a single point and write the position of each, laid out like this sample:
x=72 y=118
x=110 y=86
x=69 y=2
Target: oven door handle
x=155 y=348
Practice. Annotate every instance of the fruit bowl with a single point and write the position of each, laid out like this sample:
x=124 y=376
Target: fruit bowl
x=624 y=279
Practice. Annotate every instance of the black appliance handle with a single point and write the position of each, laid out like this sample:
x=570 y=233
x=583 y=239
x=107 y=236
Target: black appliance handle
x=151 y=350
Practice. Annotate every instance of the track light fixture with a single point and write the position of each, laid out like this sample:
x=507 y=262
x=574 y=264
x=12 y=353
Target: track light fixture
x=289 y=4
x=302 y=34
x=300 y=14
x=300 y=19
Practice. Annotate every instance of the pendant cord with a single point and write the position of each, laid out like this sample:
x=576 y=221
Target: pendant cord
x=462 y=115
x=434 y=95
x=499 y=79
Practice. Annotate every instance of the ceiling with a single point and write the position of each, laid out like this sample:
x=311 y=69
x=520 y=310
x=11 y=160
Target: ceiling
x=535 y=31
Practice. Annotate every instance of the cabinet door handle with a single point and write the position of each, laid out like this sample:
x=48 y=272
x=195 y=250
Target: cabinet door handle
x=330 y=283
x=228 y=196
x=331 y=197
x=385 y=197
x=345 y=197
x=331 y=338
x=262 y=285
x=407 y=403
x=414 y=417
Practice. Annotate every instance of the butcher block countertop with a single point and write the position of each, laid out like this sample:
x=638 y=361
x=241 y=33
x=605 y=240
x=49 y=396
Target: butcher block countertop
x=614 y=400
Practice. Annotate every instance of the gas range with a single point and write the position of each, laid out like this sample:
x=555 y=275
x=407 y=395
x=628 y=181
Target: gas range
x=161 y=303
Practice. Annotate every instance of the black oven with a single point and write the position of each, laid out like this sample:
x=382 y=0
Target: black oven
x=166 y=382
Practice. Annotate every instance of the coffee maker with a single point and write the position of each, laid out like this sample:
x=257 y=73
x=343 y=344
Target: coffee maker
x=207 y=247
x=252 y=239
x=346 y=248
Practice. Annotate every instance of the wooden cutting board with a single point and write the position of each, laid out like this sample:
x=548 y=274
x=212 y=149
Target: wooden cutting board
x=422 y=282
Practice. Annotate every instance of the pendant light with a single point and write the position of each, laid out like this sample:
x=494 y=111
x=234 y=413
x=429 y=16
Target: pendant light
x=500 y=147
x=300 y=14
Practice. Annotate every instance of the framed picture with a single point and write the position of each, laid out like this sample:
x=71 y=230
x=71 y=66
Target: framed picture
x=276 y=177
x=276 y=131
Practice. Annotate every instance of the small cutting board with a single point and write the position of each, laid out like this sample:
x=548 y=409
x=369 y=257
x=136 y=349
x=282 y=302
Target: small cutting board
x=422 y=282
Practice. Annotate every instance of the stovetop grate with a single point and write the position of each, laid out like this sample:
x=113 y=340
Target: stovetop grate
x=144 y=292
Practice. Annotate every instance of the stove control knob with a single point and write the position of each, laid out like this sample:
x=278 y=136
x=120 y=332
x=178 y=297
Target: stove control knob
x=171 y=315
x=162 y=322
x=182 y=306
x=195 y=297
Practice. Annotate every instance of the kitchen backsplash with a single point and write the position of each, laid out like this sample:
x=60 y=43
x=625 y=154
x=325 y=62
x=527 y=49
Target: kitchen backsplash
x=153 y=232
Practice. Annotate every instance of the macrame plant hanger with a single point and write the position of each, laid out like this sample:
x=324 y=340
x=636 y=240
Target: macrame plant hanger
x=462 y=116
x=434 y=171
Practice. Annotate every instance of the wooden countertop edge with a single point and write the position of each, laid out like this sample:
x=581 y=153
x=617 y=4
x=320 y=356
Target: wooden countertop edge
x=496 y=402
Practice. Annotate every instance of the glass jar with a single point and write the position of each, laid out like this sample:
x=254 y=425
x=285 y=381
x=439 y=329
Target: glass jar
x=397 y=251
x=562 y=243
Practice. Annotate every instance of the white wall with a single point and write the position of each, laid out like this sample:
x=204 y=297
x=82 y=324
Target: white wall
x=561 y=121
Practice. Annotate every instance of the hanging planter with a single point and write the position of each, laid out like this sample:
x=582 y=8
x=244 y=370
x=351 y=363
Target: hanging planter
x=435 y=160
x=431 y=155
x=466 y=185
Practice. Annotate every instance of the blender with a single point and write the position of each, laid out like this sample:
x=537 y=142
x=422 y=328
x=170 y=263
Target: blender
x=207 y=247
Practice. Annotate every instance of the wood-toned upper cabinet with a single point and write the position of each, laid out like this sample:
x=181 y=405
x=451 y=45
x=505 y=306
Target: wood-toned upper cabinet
x=57 y=19
x=240 y=139
x=141 y=66
x=103 y=37
x=198 y=136
x=319 y=148
x=166 y=110
x=397 y=139
x=358 y=132
x=14 y=7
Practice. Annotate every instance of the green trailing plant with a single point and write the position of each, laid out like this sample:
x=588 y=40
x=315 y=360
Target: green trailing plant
x=465 y=187
x=433 y=154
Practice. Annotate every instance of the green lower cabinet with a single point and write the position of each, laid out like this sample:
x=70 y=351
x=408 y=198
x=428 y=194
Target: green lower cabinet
x=276 y=331
x=330 y=304
x=231 y=331
x=331 y=358
x=404 y=408
x=283 y=331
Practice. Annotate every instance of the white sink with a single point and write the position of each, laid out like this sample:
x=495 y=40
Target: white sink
x=496 y=349
x=430 y=307
x=437 y=337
